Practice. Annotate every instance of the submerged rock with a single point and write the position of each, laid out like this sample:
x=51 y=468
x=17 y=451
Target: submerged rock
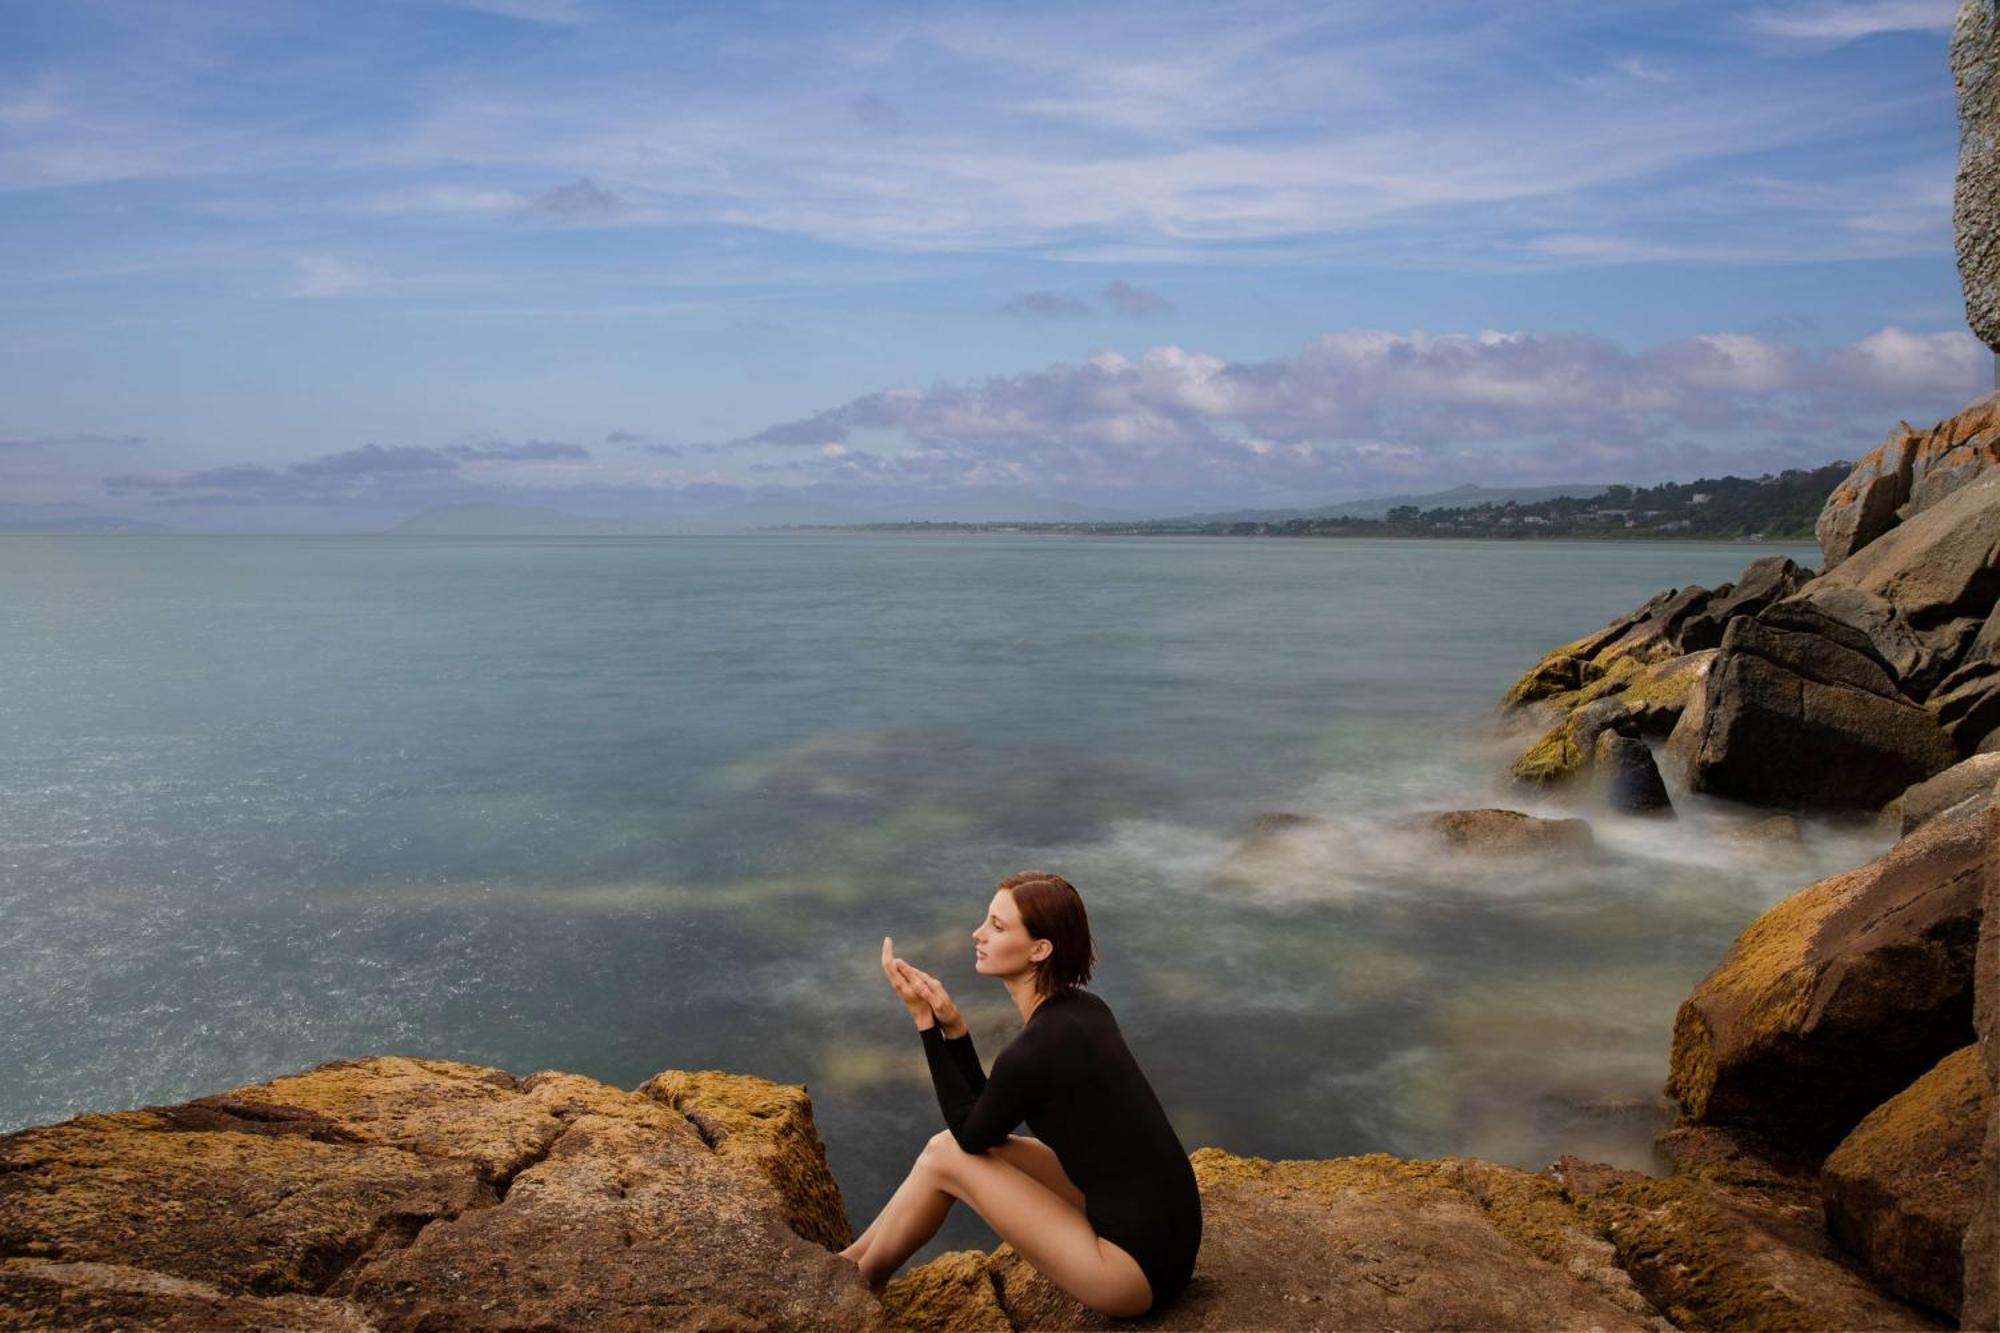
x=1628 y=779
x=1899 y=1190
x=1506 y=833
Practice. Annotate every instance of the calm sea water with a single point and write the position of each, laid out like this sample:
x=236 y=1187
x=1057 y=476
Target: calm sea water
x=616 y=806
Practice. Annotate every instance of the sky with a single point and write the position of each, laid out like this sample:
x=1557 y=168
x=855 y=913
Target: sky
x=277 y=265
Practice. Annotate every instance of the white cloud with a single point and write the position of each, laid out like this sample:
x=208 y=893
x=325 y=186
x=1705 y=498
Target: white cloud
x=1373 y=403
x=1830 y=22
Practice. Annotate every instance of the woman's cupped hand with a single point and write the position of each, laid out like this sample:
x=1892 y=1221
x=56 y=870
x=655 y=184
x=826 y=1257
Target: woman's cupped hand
x=923 y=994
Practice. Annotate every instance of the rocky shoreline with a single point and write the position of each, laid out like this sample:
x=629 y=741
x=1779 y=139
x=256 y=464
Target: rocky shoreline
x=1836 y=1164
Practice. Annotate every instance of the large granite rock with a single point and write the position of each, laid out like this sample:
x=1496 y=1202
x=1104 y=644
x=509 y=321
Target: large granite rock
x=1346 y=1243
x=1982 y=1234
x=1644 y=700
x=88 y=1297
x=1766 y=581
x=1905 y=475
x=1968 y=780
x=1798 y=720
x=1709 y=1256
x=1967 y=702
x=1941 y=563
x=1628 y=779
x=1840 y=996
x=424 y=1194
x=1899 y=1190
x=1975 y=68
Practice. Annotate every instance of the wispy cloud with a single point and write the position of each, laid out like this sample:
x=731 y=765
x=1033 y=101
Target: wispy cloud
x=1828 y=22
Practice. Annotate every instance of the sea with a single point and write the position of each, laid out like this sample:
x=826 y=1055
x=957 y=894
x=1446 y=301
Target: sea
x=616 y=805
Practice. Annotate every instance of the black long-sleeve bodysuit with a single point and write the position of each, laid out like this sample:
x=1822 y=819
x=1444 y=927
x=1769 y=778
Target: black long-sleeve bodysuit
x=1070 y=1076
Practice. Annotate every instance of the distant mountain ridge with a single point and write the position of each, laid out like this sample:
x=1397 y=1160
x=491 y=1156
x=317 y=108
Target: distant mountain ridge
x=1465 y=496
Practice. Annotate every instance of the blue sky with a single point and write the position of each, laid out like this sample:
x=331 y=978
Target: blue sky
x=289 y=265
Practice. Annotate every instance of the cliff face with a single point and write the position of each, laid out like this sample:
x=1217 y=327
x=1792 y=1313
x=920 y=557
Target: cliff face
x=1975 y=68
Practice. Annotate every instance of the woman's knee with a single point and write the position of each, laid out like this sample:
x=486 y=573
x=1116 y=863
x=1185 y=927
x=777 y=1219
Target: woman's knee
x=938 y=1149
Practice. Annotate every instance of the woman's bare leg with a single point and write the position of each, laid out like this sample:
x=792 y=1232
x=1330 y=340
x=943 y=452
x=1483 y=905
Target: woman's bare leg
x=910 y=1218
x=912 y=1193
x=1029 y=1154
x=1047 y=1230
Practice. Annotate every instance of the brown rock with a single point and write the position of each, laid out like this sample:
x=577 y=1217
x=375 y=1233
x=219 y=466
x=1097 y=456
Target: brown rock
x=1507 y=833
x=1370 y=1242
x=426 y=1193
x=111 y=1298
x=1813 y=731
x=1628 y=779
x=1840 y=996
x=1649 y=700
x=1707 y=1259
x=1934 y=565
x=631 y=1222
x=1863 y=507
x=1970 y=779
x=196 y=1192
x=1898 y=1192
x=768 y=1127
x=953 y=1293
x=1766 y=581
x=1982 y=1235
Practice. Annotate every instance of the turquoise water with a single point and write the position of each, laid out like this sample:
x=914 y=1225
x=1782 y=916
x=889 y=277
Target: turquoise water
x=616 y=806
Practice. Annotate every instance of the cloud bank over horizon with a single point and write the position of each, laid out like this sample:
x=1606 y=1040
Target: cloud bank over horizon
x=1352 y=413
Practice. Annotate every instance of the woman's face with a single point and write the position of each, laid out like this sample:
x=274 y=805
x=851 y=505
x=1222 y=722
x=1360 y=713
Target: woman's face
x=1001 y=947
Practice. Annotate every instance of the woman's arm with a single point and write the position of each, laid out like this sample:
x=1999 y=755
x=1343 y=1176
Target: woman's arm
x=982 y=1116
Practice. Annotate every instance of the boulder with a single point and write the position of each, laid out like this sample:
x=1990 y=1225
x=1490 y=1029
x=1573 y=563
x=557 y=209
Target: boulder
x=1908 y=473
x=1897 y=1190
x=1648 y=700
x=1839 y=996
x=1766 y=581
x=1936 y=565
x=112 y=1298
x=1982 y=1235
x=1863 y=507
x=1968 y=780
x=1710 y=1259
x=1967 y=702
x=953 y=1293
x=1798 y=721
x=1975 y=69
x=1506 y=833
x=1864 y=623
x=1628 y=779
x=428 y=1193
x=1367 y=1242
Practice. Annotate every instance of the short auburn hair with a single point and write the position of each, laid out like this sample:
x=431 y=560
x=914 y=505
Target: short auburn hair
x=1052 y=910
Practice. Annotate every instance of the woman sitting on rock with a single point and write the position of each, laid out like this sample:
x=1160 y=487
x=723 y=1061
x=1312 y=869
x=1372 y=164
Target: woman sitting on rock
x=1102 y=1201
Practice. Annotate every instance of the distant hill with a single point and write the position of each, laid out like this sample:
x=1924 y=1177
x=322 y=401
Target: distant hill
x=1458 y=497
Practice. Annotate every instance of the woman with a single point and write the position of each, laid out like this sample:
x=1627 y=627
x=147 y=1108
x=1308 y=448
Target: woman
x=1102 y=1201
